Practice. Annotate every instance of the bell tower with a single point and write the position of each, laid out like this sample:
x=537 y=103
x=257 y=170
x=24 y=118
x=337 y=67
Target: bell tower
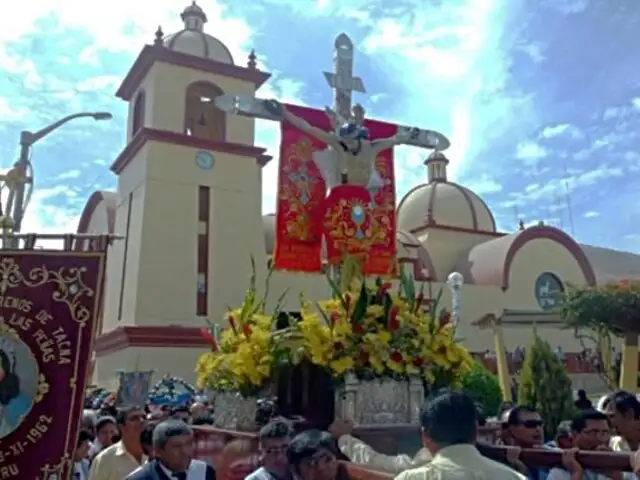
x=189 y=185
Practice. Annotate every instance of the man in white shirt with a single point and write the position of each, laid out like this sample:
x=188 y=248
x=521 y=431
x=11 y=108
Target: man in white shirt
x=119 y=460
x=590 y=430
x=449 y=430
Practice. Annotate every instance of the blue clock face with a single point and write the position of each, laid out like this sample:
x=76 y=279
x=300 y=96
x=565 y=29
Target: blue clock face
x=204 y=160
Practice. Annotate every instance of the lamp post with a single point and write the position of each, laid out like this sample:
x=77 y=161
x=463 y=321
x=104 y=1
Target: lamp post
x=455 y=282
x=27 y=140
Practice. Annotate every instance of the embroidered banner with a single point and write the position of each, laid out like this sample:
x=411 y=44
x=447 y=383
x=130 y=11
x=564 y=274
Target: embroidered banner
x=348 y=223
x=301 y=194
x=49 y=303
x=382 y=254
x=133 y=388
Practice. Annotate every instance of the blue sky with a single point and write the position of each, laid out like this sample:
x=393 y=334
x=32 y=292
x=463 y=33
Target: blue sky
x=541 y=100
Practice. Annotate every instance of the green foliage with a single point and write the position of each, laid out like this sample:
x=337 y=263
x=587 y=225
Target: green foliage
x=611 y=308
x=545 y=386
x=484 y=387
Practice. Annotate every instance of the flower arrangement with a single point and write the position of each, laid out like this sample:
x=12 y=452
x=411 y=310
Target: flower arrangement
x=375 y=333
x=243 y=356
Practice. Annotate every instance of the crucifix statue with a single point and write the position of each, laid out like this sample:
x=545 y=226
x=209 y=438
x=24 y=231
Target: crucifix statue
x=353 y=153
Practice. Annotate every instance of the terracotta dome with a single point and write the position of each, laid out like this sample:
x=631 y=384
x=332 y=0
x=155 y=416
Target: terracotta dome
x=444 y=203
x=192 y=39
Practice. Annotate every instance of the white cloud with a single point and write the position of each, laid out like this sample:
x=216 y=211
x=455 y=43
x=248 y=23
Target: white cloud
x=560 y=129
x=530 y=151
x=591 y=214
x=556 y=186
x=484 y=185
x=70 y=175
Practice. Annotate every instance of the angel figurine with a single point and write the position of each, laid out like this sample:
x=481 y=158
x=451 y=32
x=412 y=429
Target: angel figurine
x=352 y=152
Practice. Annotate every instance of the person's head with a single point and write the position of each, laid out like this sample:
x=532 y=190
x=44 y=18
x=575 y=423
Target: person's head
x=106 y=430
x=84 y=444
x=198 y=409
x=89 y=420
x=564 y=438
x=146 y=438
x=582 y=395
x=130 y=422
x=590 y=430
x=312 y=456
x=448 y=418
x=623 y=410
x=180 y=413
x=273 y=442
x=524 y=427
x=9 y=381
x=237 y=460
x=173 y=445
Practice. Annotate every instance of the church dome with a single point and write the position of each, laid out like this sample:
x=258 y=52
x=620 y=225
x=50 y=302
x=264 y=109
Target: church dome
x=444 y=203
x=193 y=41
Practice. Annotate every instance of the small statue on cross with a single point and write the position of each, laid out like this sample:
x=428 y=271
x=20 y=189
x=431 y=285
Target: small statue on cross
x=11 y=180
x=353 y=152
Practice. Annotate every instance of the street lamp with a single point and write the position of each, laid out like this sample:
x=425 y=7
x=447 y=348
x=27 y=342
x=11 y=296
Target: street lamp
x=27 y=140
x=455 y=282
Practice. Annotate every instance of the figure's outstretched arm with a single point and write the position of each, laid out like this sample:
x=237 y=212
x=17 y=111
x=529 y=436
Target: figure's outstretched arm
x=318 y=133
x=402 y=136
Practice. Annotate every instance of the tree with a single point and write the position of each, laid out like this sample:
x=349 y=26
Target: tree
x=545 y=386
x=484 y=388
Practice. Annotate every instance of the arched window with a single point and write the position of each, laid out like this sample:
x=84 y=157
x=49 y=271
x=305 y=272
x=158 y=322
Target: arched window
x=202 y=118
x=138 y=114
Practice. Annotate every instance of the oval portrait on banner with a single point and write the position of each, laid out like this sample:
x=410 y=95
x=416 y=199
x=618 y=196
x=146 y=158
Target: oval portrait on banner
x=18 y=382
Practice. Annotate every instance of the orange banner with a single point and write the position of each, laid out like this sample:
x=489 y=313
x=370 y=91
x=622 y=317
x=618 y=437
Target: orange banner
x=382 y=254
x=49 y=304
x=301 y=194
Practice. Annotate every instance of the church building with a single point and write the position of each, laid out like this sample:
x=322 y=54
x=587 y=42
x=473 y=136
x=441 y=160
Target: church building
x=189 y=206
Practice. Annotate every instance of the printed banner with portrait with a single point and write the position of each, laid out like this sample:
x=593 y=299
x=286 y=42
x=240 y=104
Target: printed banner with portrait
x=49 y=304
x=301 y=194
x=133 y=388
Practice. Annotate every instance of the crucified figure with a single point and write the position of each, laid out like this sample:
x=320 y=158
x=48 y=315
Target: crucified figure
x=353 y=153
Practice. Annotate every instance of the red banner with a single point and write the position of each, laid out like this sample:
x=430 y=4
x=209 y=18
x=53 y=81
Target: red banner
x=49 y=303
x=301 y=194
x=348 y=223
x=382 y=255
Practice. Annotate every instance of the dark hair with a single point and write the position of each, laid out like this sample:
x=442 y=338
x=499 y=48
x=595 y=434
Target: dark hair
x=449 y=418
x=103 y=421
x=84 y=436
x=179 y=409
x=513 y=417
x=168 y=429
x=580 y=420
x=275 y=429
x=582 y=394
x=624 y=402
x=146 y=436
x=109 y=411
x=123 y=414
x=10 y=384
x=305 y=444
x=204 y=419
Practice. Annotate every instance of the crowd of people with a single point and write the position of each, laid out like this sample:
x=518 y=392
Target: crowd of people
x=134 y=444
